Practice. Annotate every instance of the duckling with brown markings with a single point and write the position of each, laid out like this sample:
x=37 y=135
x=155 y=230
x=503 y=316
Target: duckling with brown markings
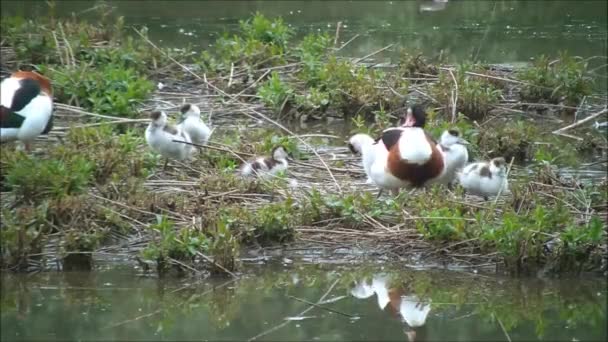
x=160 y=136
x=267 y=166
x=485 y=179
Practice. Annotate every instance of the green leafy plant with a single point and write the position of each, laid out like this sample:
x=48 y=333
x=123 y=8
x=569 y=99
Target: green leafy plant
x=110 y=89
x=36 y=179
x=275 y=92
x=563 y=80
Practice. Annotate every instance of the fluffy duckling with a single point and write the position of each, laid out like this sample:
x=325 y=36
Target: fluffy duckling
x=26 y=109
x=267 y=166
x=193 y=125
x=455 y=153
x=485 y=178
x=160 y=136
x=364 y=145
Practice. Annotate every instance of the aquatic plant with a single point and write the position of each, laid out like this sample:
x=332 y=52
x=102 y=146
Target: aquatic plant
x=476 y=96
x=276 y=93
x=563 y=80
x=33 y=179
x=171 y=243
x=110 y=89
x=273 y=32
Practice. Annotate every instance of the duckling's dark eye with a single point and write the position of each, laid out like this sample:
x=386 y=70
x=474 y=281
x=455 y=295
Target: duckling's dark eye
x=454 y=132
x=352 y=148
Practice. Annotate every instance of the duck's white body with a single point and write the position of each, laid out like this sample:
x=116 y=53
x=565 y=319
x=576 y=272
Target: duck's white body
x=374 y=157
x=266 y=167
x=27 y=107
x=455 y=155
x=193 y=125
x=414 y=149
x=485 y=179
x=160 y=136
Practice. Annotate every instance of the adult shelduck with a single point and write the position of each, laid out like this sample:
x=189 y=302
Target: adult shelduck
x=456 y=156
x=485 y=179
x=160 y=136
x=193 y=125
x=267 y=166
x=375 y=152
x=414 y=157
x=26 y=109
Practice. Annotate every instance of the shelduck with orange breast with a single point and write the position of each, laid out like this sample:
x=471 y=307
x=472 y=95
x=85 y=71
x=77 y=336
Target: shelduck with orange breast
x=413 y=158
x=375 y=152
x=26 y=108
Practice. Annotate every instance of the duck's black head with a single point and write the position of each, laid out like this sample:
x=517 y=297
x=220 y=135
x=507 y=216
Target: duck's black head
x=415 y=117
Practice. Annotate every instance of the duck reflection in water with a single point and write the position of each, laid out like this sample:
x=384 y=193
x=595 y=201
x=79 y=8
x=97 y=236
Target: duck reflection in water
x=401 y=302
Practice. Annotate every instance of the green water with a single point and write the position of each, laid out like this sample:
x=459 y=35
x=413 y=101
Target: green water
x=494 y=31
x=115 y=304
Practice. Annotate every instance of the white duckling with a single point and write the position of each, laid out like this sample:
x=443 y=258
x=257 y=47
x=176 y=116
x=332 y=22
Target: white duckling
x=455 y=155
x=362 y=144
x=160 y=136
x=26 y=109
x=193 y=125
x=267 y=166
x=485 y=178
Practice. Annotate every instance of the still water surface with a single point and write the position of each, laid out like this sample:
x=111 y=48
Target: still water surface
x=360 y=304
x=492 y=31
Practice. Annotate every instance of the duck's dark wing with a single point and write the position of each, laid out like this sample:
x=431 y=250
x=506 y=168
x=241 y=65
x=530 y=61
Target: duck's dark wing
x=28 y=90
x=10 y=119
x=390 y=137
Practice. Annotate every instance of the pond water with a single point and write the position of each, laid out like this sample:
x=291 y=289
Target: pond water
x=492 y=31
x=367 y=303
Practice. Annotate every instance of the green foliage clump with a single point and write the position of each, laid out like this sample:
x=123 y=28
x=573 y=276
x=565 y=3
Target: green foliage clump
x=442 y=224
x=23 y=233
x=260 y=28
x=224 y=246
x=276 y=93
x=171 y=243
x=561 y=81
x=114 y=158
x=512 y=139
x=260 y=42
x=476 y=97
x=276 y=222
x=311 y=51
x=33 y=179
x=110 y=89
